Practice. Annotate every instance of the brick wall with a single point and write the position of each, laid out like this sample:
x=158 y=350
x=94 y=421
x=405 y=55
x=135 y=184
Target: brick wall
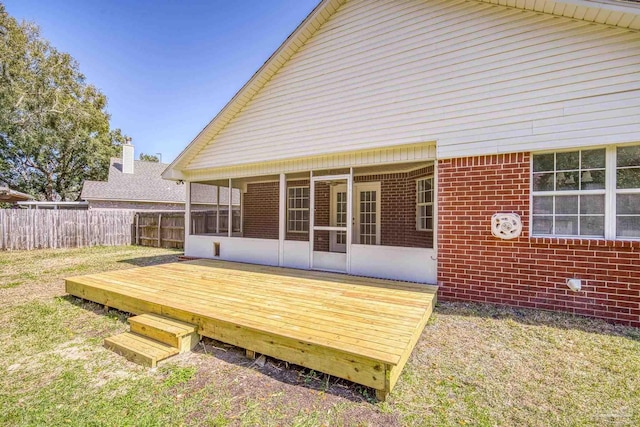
x=398 y=209
x=527 y=272
x=260 y=209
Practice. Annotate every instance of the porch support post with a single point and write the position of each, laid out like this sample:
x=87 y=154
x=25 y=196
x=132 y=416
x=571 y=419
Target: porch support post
x=282 y=218
x=230 y=213
x=218 y=209
x=349 y=218
x=187 y=213
x=312 y=215
x=436 y=213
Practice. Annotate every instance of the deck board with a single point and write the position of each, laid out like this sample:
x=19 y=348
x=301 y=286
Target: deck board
x=362 y=326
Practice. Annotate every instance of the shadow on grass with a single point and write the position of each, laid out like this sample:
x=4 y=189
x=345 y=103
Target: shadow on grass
x=537 y=317
x=96 y=308
x=152 y=260
x=287 y=373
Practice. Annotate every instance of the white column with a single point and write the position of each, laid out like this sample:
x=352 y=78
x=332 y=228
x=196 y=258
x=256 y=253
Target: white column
x=282 y=218
x=187 y=215
x=312 y=207
x=230 y=213
x=241 y=201
x=435 y=206
x=349 y=218
x=217 y=209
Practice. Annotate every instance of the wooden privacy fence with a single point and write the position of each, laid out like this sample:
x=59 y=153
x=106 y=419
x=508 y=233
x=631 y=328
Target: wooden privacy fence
x=25 y=229
x=166 y=229
x=159 y=229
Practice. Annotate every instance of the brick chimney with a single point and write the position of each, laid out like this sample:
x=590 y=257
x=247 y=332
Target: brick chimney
x=127 y=156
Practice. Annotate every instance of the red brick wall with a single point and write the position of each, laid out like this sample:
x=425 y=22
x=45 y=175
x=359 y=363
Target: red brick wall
x=527 y=272
x=398 y=209
x=260 y=209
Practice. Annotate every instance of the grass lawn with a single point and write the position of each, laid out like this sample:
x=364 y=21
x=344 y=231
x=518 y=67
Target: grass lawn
x=474 y=365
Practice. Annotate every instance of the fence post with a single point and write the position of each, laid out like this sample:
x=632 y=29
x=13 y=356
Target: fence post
x=138 y=229
x=159 y=230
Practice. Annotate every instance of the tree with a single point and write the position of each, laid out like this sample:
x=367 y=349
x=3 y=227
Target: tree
x=149 y=158
x=54 y=128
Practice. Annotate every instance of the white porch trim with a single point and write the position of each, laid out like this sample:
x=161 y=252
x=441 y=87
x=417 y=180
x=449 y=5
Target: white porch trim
x=425 y=151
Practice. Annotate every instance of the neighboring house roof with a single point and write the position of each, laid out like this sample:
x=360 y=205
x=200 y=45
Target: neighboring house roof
x=619 y=13
x=8 y=195
x=54 y=205
x=146 y=184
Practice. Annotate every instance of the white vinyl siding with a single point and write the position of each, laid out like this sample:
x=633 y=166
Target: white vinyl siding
x=383 y=156
x=475 y=77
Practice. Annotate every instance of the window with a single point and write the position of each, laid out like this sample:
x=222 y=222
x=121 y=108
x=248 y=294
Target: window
x=341 y=217
x=298 y=209
x=368 y=221
x=628 y=191
x=577 y=193
x=424 y=204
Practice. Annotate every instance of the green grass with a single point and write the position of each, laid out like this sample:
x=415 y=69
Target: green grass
x=474 y=365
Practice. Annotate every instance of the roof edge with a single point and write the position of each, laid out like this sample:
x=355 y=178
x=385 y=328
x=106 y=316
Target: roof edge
x=615 y=5
x=323 y=11
x=107 y=199
x=303 y=32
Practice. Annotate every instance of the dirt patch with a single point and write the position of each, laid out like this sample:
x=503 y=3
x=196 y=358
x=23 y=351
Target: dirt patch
x=74 y=350
x=280 y=388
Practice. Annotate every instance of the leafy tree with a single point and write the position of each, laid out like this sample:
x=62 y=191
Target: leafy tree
x=149 y=158
x=54 y=130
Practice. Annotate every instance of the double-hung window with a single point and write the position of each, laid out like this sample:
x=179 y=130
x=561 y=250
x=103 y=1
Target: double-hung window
x=298 y=209
x=424 y=204
x=592 y=193
x=628 y=192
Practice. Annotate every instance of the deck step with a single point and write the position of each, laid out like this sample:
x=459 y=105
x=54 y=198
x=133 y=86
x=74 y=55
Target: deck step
x=181 y=335
x=139 y=349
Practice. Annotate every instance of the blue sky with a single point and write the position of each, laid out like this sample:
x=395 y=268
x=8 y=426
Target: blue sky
x=166 y=66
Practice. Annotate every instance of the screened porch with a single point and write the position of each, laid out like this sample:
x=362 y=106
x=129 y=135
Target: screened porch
x=371 y=221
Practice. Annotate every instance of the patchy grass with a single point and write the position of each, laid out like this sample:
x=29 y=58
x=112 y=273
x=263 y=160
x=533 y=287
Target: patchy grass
x=474 y=365
x=484 y=365
x=29 y=275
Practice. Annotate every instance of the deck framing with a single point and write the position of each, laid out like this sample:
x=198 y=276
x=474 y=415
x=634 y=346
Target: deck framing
x=356 y=328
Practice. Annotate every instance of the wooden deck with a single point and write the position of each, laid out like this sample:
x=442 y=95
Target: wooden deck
x=351 y=327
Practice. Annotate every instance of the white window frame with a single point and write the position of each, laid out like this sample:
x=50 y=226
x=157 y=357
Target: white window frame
x=357 y=189
x=617 y=191
x=418 y=204
x=290 y=209
x=610 y=193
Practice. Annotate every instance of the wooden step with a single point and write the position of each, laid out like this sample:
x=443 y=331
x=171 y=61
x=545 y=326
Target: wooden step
x=181 y=335
x=139 y=349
